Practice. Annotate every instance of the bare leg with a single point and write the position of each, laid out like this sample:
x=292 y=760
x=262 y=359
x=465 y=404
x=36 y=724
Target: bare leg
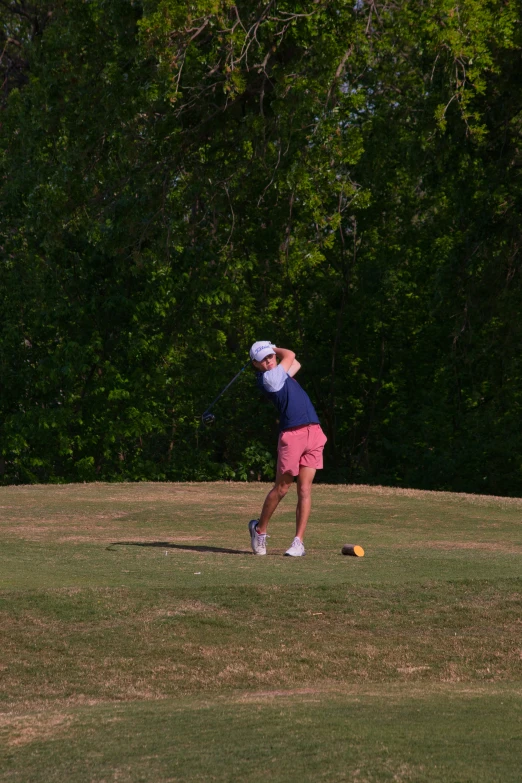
x=276 y=494
x=304 y=499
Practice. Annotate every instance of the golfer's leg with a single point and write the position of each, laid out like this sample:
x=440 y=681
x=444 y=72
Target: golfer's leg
x=304 y=499
x=276 y=494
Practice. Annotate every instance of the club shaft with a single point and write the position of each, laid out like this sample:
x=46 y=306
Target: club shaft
x=226 y=387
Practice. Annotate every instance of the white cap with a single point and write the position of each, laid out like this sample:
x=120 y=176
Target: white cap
x=261 y=349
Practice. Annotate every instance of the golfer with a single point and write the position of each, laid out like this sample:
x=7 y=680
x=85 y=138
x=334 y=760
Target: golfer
x=300 y=445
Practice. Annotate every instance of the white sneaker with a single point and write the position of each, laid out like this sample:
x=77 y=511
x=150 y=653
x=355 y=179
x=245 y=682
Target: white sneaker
x=258 y=540
x=297 y=548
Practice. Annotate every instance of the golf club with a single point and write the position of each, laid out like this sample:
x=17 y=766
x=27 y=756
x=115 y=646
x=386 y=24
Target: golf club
x=208 y=418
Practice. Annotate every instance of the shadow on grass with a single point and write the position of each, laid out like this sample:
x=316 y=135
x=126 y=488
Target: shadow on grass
x=184 y=547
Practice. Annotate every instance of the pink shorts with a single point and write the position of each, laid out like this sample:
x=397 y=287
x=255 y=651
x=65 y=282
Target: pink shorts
x=300 y=446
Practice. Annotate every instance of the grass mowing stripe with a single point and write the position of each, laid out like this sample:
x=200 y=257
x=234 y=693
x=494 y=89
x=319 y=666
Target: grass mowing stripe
x=25 y=565
x=447 y=736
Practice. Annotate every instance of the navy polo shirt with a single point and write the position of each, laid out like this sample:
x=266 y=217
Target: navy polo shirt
x=292 y=402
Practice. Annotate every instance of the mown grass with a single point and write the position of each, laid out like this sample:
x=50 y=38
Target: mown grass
x=439 y=736
x=143 y=642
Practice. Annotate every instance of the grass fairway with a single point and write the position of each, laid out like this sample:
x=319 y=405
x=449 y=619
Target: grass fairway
x=142 y=641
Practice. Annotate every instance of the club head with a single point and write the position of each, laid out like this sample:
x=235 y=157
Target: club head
x=208 y=419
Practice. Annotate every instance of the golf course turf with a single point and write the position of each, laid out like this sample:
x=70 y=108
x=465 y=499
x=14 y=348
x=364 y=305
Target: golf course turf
x=142 y=640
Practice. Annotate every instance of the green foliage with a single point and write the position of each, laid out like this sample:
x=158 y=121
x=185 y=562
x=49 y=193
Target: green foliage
x=179 y=180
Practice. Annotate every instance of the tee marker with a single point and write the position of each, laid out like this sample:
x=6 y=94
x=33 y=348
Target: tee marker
x=353 y=549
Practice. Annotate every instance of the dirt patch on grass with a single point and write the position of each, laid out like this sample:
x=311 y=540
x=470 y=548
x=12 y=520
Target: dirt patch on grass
x=24 y=729
x=179 y=609
x=72 y=523
x=81 y=529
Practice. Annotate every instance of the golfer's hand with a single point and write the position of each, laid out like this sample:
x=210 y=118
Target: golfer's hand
x=285 y=356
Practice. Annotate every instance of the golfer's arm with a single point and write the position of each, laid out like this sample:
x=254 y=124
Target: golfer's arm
x=286 y=357
x=294 y=367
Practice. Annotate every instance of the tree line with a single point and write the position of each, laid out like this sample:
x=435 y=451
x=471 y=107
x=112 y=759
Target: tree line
x=178 y=180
